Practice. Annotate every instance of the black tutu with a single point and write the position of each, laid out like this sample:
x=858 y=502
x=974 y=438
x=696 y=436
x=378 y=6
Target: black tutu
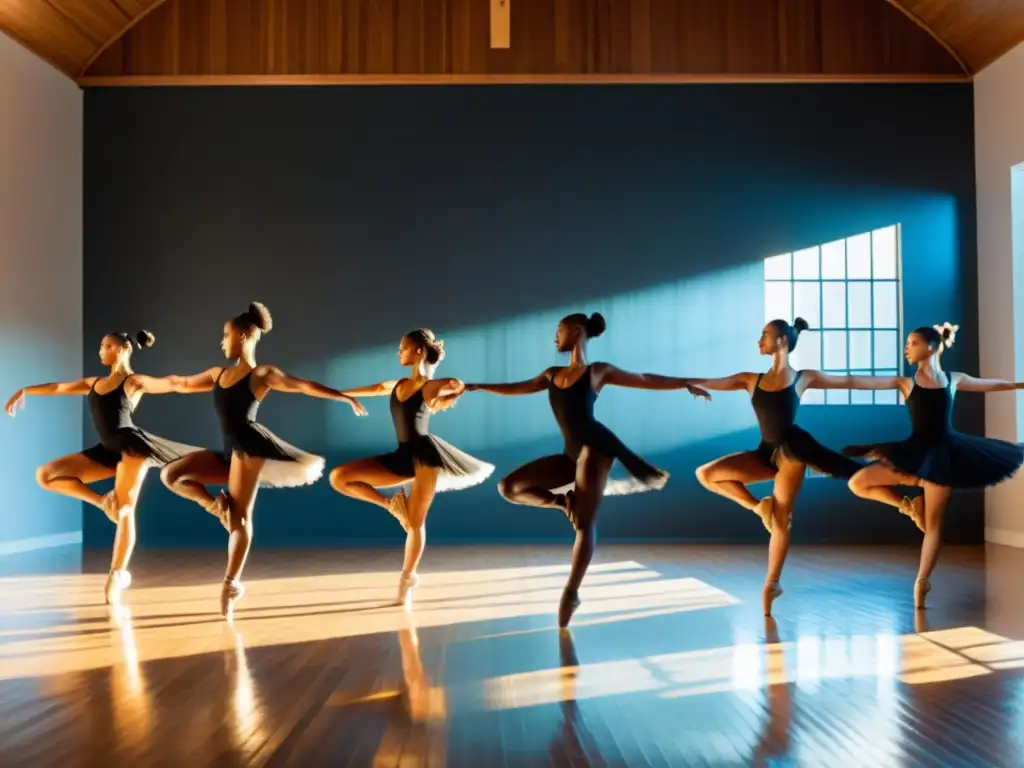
x=285 y=467
x=639 y=476
x=800 y=446
x=133 y=441
x=458 y=470
x=955 y=460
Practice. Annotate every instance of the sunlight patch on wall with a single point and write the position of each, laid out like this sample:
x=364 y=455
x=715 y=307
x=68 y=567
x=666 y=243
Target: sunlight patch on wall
x=705 y=326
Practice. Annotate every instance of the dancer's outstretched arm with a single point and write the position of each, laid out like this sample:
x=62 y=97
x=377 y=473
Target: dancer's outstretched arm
x=529 y=387
x=732 y=383
x=381 y=389
x=274 y=378
x=819 y=380
x=77 y=387
x=965 y=383
x=180 y=385
x=609 y=374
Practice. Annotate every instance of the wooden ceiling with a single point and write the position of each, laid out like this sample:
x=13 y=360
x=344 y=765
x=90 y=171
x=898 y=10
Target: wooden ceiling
x=94 y=37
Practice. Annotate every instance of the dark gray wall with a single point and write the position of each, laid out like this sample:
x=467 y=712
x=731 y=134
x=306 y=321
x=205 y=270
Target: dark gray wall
x=486 y=214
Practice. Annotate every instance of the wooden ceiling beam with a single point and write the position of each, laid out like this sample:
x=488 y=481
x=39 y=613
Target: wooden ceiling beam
x=129 y=23
x=74 y=34
x=898 y=4
x=414 y=80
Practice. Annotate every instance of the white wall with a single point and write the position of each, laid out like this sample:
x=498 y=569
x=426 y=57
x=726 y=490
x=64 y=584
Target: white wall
x=40 y=289
x=999 y=146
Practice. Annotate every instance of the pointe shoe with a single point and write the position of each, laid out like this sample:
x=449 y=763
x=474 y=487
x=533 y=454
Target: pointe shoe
x=771 y=591
x=914 y=509
x=765 y=509
x=220 y=508
x=397 y=508
x=406 y=584
x=230 y=591
x=567 y=607
x=921 y=588
x=117 y=582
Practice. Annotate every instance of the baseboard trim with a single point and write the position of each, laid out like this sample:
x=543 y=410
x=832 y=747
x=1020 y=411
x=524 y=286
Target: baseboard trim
x=1005 y=537
x=19 y=546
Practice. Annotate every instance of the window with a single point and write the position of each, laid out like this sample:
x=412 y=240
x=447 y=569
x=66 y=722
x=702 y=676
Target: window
x=848 y=291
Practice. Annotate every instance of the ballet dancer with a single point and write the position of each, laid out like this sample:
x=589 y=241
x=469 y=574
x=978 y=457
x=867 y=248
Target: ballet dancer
x=253 y=456
x=576 y=479
x=423 y=459
x=785 y=450
x=935 y=457
x=125 y=452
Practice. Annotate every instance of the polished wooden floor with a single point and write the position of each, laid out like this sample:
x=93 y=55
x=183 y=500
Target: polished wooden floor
x=669 y=661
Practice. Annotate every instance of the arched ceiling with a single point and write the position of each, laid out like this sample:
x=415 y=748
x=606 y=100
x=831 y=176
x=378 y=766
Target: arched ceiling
x=71 y=34
x=977 y=32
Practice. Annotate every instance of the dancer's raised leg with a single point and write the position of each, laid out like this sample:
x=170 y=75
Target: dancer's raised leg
x=360 y=480
x=729 y=477
x=877 y=482
x=71 y=476
x=531 y=484
x=188 y=477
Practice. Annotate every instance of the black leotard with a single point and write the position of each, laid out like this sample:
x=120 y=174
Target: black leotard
x=937 y=453
x=416 y=445
x=285 y=466
x=573 y=407
x=776 y=417
x=112 y=419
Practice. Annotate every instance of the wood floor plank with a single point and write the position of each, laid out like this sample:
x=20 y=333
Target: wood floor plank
x=669 y=661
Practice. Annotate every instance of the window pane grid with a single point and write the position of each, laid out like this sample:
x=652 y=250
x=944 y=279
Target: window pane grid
x=829 y=280
x=856 y=321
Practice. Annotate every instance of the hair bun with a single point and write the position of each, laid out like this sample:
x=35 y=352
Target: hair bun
x=260 y=317
x=435 y=343
x=596 y=325
x=947 y=332
x=800 y=325
x=426 y=338
x=144 y=339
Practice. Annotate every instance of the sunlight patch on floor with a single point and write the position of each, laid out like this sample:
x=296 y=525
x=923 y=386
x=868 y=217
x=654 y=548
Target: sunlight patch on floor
x=52 y=625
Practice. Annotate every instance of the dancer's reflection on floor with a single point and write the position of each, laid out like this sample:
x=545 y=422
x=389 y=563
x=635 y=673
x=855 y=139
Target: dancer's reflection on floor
x=417 y=722
x=773 y=743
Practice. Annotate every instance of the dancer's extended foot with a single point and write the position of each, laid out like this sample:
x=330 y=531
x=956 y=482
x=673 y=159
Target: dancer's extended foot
x=771 y=591
x=397 y=508
x=110 y=507
x=765 y=509
x=570 y=509
x=117 y=582
x=406 y=584
x=914 y=509
x=230 y=591
x=921 y=589
x=567 y=607
x=220 y=508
